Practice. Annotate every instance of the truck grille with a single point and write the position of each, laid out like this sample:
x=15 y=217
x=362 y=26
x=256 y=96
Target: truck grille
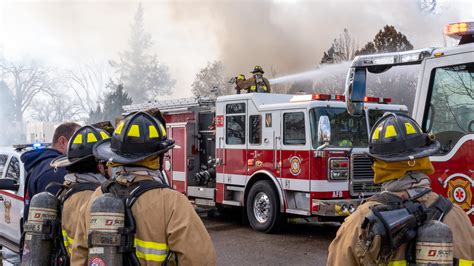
x=362 y=176
x=362 y=167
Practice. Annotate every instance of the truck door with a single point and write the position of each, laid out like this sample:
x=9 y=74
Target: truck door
x=449 y=115
x=234 y=143
x=295 y=151
x=176 y=165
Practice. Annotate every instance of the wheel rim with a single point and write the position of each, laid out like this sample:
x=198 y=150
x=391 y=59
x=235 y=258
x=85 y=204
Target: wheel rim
x=261 y=207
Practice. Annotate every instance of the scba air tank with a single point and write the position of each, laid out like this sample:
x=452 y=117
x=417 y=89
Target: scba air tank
x=434 y=244
x=40 y=230
x=107 y=217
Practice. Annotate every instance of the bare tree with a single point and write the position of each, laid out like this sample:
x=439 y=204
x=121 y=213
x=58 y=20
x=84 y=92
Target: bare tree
x=25 y=81
x=342 y=49
x=57 y=108
x=209 y=79
x=88 y=82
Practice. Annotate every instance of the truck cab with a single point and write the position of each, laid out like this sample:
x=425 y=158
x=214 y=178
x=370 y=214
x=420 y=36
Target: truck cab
x=443 y=106
x=306 y=148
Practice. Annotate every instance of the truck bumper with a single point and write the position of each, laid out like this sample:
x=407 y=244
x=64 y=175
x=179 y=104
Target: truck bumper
x=334 y=208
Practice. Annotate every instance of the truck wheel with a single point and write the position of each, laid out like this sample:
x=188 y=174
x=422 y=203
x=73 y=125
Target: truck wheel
x=263 y=207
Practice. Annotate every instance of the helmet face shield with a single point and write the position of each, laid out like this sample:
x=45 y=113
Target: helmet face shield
x=398 y=138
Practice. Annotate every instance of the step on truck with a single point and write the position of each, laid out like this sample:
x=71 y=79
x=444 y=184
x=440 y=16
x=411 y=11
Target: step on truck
x=444 y=106
x=272 y=154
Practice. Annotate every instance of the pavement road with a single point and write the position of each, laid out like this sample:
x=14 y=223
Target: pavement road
x=237 y=244
x=295 y=244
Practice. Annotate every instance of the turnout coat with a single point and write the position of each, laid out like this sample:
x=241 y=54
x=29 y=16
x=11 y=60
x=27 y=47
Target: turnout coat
x=165 y=220
x=348 y=248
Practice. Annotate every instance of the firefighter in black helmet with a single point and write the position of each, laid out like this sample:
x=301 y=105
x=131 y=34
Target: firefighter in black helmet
x=257 y=83
x=84 y=175
x=165 y=223
x=400 y=153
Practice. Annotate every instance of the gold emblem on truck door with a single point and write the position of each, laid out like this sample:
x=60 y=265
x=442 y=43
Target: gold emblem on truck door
x=295 y=165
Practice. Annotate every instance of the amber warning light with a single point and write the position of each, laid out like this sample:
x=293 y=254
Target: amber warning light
x=460 y=30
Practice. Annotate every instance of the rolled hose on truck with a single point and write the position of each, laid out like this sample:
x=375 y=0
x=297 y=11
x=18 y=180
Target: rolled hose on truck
x=41 y=230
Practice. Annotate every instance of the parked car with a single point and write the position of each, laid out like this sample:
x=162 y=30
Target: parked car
x=12 y=184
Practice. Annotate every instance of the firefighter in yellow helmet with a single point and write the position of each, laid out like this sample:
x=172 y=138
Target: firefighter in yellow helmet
x=406 y=223
x=165 y=226
x=85 y=174
x=257 y=83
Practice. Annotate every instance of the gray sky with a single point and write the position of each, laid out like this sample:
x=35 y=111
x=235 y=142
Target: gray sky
x=287 y=35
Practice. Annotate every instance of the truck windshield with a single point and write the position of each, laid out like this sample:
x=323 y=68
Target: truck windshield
x=346 y=131
x=451 y=109
x=374 y=115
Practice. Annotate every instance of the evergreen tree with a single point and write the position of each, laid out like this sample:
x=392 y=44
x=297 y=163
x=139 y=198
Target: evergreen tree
x=387 y=40
x=96 y=115
x=114 y=101
x=141 y=74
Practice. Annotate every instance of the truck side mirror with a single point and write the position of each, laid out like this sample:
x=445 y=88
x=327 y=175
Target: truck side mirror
x=324 y=132
x=9 y=184
x=355 y=91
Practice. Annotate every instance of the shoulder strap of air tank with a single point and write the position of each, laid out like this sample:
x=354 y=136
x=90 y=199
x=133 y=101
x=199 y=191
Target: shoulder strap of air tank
x=388 y=199
x=439 y=209
x=436 y=211
x=140 y=187
x=78 y=187
x=105 y=187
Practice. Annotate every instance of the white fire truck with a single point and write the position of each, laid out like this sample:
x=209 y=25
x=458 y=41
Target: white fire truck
x=273 y=154
x=444 y=106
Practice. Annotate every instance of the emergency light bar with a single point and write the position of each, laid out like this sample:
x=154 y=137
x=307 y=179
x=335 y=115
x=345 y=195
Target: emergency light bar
x=389 y=59
x=457 y=30
x=35 y=146
x=460 y=30
x=317 y=97
x=369 y=99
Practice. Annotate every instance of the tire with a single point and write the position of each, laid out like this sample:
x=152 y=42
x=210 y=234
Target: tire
x=263 y=207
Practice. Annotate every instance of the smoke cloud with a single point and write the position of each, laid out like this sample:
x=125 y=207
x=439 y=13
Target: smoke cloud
x=286 y=36
x=291 y=36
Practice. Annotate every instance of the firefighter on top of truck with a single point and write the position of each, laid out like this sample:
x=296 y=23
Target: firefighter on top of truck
x=407 y=223
x=257 y=83
x=165 y=225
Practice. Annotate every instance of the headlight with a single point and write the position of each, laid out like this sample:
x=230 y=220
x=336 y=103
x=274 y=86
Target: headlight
x=338 y=169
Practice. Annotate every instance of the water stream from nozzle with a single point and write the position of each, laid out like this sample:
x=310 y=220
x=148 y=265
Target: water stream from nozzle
x=316 y=74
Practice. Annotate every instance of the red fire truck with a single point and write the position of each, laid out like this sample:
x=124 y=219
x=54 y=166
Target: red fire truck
x=444 y=106
x=273 y=154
